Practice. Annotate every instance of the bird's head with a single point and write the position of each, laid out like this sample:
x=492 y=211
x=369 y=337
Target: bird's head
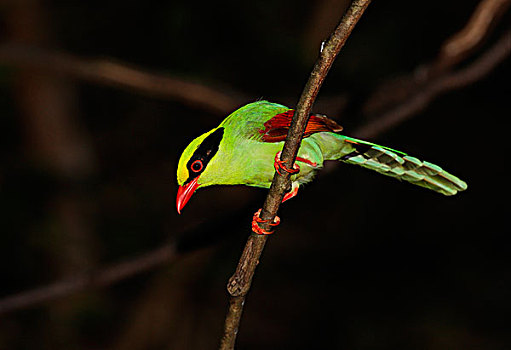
x=192 y=169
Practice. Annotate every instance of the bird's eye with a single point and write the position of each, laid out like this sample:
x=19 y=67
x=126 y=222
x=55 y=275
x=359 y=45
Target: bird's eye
x=197 y=166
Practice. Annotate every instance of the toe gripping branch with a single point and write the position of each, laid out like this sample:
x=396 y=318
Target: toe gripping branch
x=279 y=165
x=256 y=220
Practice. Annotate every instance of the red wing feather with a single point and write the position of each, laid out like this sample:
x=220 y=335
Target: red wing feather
x=275 y=129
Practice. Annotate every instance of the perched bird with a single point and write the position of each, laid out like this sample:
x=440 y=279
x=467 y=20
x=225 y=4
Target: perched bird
x=245 y=150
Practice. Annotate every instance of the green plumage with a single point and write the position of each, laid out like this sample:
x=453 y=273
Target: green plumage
x=403 y=167
x=243 y=157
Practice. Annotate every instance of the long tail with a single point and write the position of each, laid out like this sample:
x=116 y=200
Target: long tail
x=397 y=164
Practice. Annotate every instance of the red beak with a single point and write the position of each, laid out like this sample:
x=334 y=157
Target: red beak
x=184 y=193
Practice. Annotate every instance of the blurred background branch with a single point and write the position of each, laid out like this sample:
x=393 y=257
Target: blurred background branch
x=462 y=44
x=442 y=83
x=118 y=74
x=456 y=49
x=104 y=277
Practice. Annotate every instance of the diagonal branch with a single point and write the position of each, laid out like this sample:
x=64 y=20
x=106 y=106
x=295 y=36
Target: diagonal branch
x=107 y=276
x=453 y=51
x=444 y=83
x=112 y=73
x=472 y=35
x=239 y=283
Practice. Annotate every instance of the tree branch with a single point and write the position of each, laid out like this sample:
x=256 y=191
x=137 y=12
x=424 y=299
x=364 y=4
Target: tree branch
x=446 y=82
x=107 y=276
x=453 y=51
x=460 y=45
x=239 y=283
x=109 y=72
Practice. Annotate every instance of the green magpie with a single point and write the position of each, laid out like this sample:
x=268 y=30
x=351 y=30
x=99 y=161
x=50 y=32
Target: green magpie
x=245 y=150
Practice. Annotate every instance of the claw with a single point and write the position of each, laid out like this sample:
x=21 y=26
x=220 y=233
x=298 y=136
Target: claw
x=292 y=193
x=256 y=220
x=279 y=165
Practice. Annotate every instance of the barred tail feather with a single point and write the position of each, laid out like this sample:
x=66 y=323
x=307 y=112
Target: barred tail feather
x=399 y=165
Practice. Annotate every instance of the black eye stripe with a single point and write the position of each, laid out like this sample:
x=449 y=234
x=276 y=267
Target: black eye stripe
x=204 y=153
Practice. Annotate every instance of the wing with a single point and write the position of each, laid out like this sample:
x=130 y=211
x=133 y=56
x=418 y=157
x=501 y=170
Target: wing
x=276 y=128
x=269 y=122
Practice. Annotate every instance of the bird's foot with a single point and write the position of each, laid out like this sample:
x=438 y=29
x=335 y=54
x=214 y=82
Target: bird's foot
x=256 y=220
x=279 y=165
x=306 y=161
x=292 y=193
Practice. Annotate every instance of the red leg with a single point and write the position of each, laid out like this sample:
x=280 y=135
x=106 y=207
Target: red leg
x=256 y=220
x=292 y=193
x=306 y=161
x=279 y=165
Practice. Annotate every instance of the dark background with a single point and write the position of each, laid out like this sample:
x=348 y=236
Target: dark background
x=360 y=261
